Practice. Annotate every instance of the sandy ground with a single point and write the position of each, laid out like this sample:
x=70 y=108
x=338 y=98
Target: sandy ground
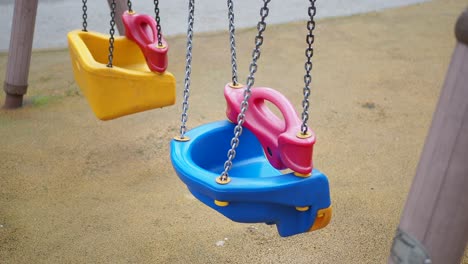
x=77 y=190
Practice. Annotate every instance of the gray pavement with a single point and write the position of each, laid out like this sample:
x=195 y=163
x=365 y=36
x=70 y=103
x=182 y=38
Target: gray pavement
x=56 y=17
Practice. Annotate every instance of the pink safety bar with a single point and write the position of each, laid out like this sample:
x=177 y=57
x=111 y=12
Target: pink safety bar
x=279 y=138
x=142 y=29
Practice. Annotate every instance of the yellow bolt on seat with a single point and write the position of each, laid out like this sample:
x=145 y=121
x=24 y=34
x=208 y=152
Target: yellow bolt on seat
x=126 y=88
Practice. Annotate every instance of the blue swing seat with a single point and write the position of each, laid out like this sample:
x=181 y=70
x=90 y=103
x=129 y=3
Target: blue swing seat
x=257 y=192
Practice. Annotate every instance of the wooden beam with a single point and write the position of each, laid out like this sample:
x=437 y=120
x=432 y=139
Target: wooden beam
x=461 y=28
x=436 y=211
x=19 y=52
x=120 y=8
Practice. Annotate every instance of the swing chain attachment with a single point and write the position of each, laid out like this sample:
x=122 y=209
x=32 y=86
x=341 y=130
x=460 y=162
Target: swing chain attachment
x=309 y=52
x=85 y=16
x=261 y=26
x=158 y=23
x=232 y=37
x=112 y=32
x=129 y=5
x=188 y=71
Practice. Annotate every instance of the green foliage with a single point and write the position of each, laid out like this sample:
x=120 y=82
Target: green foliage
x=40 y=100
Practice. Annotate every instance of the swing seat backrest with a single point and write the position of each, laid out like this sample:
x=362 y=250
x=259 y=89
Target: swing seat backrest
x=142 y=29
x=278 y=137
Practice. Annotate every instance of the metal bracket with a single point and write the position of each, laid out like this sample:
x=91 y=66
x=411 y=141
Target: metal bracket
x=408 y=250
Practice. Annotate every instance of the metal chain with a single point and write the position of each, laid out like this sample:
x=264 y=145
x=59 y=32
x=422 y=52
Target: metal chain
x=158 y=22
x=129 y=5
x=261 y=26
x=85 y=16
x=232 y=36
x=188 y=68
x=112 y=32
x=309 y=52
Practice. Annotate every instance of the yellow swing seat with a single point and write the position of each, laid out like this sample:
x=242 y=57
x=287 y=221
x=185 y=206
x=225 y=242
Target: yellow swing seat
x=126 y=88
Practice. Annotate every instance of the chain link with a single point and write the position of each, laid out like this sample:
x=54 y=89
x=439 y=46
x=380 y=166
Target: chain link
x=309 y=52
x=158 y=22
x=85 y=16
x=261 y=26
x=188 y=68
x=111 y=32
x=129 y=5
x=232 y=37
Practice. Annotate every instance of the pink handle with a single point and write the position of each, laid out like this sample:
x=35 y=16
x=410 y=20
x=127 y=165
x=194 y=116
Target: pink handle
x=278 y=137
x=142 y=29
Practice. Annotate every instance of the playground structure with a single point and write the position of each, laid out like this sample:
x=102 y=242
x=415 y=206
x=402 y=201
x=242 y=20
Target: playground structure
x=252 y=188
x=122 y=75
x=461 y=168
x=434 y=223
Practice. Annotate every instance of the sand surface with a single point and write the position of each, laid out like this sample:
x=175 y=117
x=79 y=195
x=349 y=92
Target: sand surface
x=77 y=190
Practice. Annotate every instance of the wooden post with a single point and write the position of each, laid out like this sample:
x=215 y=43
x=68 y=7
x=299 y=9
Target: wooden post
x=435 y=217
x=19 y=52
x=120 y=8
